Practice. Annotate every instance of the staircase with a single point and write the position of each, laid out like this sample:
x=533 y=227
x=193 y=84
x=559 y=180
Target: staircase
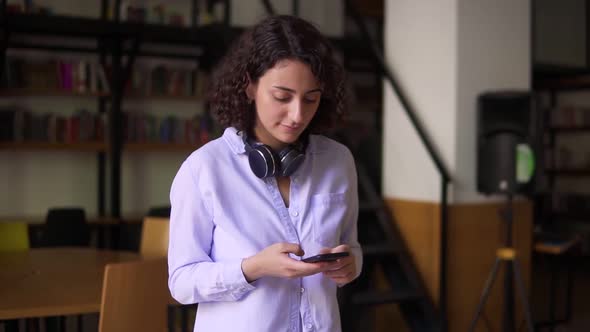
x=385 y=256
x=389 y=275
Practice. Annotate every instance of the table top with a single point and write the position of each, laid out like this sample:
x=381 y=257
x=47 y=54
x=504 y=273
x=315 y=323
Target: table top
x=54 y=281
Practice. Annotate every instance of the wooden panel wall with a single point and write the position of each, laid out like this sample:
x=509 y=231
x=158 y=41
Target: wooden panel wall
x=475 y=231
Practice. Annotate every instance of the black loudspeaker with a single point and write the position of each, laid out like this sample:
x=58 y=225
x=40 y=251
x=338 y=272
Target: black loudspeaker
x=505 y=161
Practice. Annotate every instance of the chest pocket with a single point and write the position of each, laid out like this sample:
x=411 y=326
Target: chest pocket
x=328 y=212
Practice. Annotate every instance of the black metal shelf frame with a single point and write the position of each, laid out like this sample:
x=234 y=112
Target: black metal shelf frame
x=112 y=38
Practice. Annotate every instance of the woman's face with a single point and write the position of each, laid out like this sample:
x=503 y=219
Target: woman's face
x=286 y=97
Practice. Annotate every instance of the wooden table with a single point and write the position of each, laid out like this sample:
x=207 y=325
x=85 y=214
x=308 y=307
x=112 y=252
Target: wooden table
x=54 y=281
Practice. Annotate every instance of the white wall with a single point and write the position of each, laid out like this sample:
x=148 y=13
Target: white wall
x=420 y=48
x=493 y=54
x=444 y=53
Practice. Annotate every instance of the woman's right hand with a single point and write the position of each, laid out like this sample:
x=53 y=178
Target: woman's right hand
x=274 y=261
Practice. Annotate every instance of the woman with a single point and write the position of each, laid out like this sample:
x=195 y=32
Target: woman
x=249 y=205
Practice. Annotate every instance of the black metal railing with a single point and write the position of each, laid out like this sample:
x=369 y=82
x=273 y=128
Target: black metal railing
x=424 y=138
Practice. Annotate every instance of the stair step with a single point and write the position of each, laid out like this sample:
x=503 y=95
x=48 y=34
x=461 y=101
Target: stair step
x=381 y=249
x=382 y=297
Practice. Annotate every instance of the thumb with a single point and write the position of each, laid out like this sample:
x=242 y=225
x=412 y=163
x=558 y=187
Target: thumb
x=325 y=251
x=292 y=248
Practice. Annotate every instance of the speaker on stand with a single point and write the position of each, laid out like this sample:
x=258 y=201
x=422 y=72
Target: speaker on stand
x=505 y=166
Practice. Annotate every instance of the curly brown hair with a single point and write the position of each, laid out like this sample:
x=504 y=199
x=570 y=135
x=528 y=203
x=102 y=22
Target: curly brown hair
x=257 y=50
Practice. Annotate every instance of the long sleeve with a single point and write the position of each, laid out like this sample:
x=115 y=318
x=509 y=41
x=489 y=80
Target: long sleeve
x=350 y=232
x=193 y=276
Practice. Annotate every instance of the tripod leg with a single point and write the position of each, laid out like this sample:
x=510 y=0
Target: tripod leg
x=523 y=296
x=485 y=293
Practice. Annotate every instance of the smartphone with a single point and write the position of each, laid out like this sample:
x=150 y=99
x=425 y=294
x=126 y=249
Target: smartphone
x=325 y=257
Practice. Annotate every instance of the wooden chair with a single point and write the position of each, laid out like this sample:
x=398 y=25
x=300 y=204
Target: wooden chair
x=154 y=244
x=154 y=237
x=14 y=236
x=66 y=226
x=135 y=297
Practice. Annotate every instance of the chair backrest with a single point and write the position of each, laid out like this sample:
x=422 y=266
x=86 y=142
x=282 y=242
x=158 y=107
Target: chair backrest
x=160 y=211
x=135 y=297
x=154 y=237
x=66 y=227
x=14 y=236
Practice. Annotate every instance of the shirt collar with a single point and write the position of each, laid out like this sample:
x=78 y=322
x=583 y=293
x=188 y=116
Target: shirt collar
x=234 y=140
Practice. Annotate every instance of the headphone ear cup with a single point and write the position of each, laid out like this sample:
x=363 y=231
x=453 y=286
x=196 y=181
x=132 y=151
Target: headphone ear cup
x=290 y=159
x=262 y=161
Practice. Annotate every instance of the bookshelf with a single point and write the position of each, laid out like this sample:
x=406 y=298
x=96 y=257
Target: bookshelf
x=163 y=147
x=118 y=47
x=569 y=171
x=32 y=146
x=562 y=207
x=571 y=130
x=16 y=92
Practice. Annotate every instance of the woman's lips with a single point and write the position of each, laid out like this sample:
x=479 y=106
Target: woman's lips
x=291 y=128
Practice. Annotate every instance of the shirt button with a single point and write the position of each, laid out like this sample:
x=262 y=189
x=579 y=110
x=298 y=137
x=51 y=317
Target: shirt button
x=294 y=213
x=302 y=290
x=309 y=326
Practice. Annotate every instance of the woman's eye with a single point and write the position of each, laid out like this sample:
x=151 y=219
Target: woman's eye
x=282 y=99
x=309 y=101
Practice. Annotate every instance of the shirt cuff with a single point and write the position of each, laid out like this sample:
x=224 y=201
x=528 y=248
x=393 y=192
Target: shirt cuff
x=235 y=277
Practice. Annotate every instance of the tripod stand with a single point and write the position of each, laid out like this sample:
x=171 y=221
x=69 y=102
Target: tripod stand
x=512 y=274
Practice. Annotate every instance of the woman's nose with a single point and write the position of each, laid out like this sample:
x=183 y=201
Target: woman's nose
x=296 y=112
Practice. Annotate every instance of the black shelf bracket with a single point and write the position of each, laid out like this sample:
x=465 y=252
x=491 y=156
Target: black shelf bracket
x=131 y=57
x=4 y=38
x=4 y=41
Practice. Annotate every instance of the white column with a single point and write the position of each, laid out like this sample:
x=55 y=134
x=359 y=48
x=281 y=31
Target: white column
x=444 y=53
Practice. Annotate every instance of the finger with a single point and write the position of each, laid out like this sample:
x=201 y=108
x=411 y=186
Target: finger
x=307 y=268
x=346 y=277
x=339 y=273
x=325 y=251
x=338 y=265
x=342 y=283
x=292 y=248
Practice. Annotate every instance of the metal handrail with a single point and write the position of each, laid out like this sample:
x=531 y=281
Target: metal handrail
x=426 y=141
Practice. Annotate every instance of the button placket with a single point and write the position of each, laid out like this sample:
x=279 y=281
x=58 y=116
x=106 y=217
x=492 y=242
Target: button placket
x=283 y=212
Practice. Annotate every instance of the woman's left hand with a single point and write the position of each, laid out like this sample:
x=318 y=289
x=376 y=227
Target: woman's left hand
x=344 y=270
